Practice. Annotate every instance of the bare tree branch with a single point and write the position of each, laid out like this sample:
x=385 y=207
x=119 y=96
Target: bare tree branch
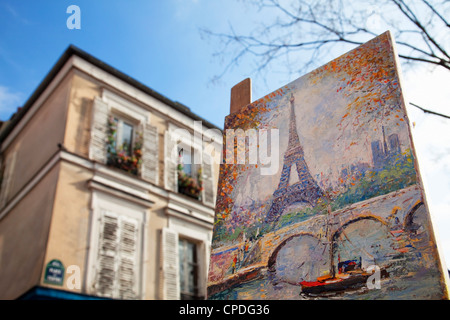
x=436 y=13
x=309 y=29
x=429 y=111
x=413 y=18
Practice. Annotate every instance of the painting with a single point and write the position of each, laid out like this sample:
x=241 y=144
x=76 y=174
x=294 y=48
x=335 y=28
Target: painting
x=343 y=214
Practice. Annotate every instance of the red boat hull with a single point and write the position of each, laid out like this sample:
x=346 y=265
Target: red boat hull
x=334 y=284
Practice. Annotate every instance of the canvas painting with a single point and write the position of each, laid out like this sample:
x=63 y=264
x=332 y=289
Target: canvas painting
x=334 y=207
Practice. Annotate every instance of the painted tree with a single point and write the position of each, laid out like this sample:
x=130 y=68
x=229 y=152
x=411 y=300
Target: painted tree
x=229 y=217
x=366 y=78
x=368 y=81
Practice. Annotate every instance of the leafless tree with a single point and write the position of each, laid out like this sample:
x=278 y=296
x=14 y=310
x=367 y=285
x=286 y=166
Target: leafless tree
x=301 y=33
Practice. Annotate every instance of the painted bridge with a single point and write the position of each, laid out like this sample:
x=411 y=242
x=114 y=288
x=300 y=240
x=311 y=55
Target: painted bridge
x=395 y=210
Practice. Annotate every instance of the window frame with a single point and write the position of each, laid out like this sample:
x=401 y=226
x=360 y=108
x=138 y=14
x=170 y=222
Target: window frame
x=181 y=138
x=125 y=111
x=120 y=121
x=193 y=167
x=193 y=175
x=199 y=233
x=115 y=152
x=102 y=202
x=185 y=294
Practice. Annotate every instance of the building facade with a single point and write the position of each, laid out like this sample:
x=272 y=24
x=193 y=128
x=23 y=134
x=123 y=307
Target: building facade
x=107 y=189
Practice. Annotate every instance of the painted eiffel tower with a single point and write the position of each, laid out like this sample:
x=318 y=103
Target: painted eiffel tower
x=306 y=188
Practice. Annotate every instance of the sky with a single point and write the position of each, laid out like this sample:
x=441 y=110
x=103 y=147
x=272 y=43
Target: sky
x=159 y=43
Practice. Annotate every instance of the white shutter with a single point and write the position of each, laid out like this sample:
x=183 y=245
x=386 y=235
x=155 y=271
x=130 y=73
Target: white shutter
x=107 y=253
x=170 y=162
x=208 y=182
x=10 y=163
x=118 y=257
x=150 y=153
x=128 y=259
x=207 y=257
x=206 y=270
x=170 y=278
x=99 y=131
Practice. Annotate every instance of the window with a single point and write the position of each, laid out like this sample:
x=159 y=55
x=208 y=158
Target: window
x=184 y=260
x=125 y=136
x=121 y=135
x=127 y=131
x=124 y=149
x=188 y=269
x=117 y=259
x=189 y=174
x=116 y=248
x=186 y=160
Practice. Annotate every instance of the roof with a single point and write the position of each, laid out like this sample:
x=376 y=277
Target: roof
x=68 y=53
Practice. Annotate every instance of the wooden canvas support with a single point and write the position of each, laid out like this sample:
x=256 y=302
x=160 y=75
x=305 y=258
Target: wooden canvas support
x=241 y=95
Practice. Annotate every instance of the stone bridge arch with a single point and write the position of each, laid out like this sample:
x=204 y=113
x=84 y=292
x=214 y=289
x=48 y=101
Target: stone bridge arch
x=273 y=256
x=365 y=216
x=409 y=222
x=380 y=235
x=304 y=258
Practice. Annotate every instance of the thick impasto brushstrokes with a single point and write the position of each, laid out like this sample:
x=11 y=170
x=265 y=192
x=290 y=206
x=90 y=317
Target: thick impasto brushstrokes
x=346 y=203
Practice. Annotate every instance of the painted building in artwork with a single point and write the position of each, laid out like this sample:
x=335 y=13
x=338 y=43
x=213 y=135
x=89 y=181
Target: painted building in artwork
x=386 y=150
x=106 y=190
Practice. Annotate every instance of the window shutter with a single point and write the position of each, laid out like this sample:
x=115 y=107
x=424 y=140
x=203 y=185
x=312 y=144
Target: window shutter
x=207 y=258
x=99 y=131
x=170 y=278
x=128 y=259
x=107 y=252
x=118 y=257
x=170 y=162
x=150 y=153
x=208 y=183
x=8 y=171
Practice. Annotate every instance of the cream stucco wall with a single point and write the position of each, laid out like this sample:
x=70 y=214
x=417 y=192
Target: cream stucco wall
x=23 y=238
x=79 y=115
x=25 y=221
x=38 y=140
x=69 y=228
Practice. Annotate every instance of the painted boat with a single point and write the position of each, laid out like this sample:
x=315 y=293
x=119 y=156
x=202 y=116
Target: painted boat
x=339 y=282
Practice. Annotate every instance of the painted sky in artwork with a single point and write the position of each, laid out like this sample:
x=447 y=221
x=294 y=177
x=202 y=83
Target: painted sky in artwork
x=339 y=113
